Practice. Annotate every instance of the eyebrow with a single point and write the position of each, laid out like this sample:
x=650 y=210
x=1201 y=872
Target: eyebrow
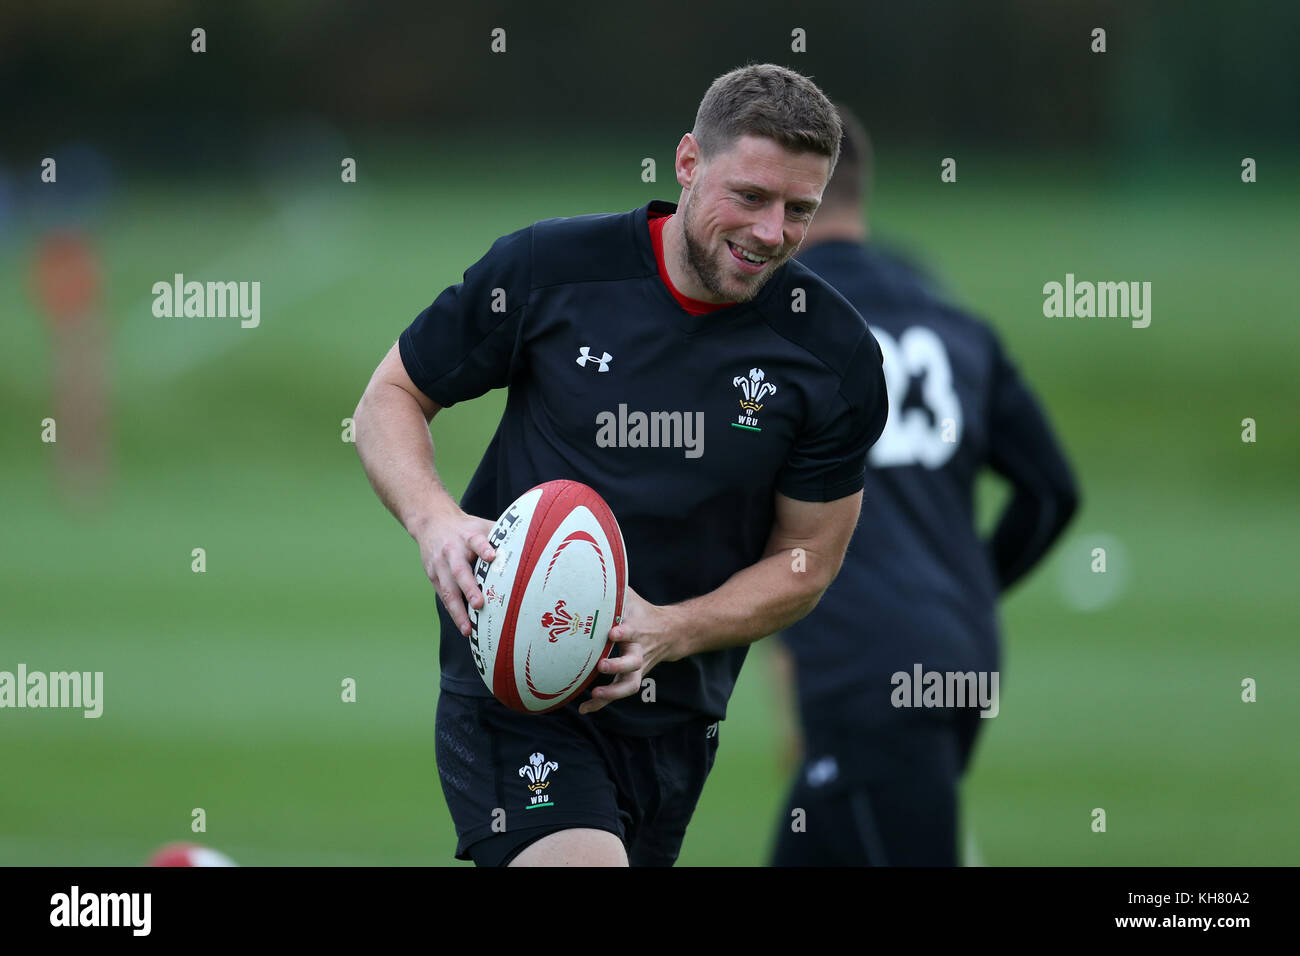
x=812 y=204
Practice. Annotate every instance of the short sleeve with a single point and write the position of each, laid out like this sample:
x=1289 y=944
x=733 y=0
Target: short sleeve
x=467 y=342
x=830 y=460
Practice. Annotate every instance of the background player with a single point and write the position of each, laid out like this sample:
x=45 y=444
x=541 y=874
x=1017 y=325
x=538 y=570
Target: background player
x=879 y=783
x=695 y=312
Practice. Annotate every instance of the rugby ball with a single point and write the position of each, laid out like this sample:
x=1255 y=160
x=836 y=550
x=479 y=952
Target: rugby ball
x=551 y=594
x=188 y=854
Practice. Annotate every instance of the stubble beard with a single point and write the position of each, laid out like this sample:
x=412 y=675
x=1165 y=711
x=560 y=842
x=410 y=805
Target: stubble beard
x=708 y=271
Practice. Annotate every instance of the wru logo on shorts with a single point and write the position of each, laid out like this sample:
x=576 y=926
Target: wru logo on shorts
x=537 y=770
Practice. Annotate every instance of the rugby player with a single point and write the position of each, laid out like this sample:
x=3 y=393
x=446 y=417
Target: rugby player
x=879 y=781
x=693 y=307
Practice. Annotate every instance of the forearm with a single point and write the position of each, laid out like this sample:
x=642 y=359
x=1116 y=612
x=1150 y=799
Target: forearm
x=804 y=551
x=755 y=602
x=396 y=451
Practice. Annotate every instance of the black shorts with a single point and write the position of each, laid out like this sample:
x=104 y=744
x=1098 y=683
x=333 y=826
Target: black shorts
x=512 y=778
x=878 y=786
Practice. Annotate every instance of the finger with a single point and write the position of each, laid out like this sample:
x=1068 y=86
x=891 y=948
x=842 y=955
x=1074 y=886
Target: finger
x=631 y=660
x=451 y=599
x=456 y=608
x=480 y=545
x=625 y=686
x=463 y=574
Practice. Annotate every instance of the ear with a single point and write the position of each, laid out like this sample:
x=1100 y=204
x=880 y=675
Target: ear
x=689 y=161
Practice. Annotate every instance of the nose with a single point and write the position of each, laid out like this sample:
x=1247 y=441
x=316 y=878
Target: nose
x=770 y=225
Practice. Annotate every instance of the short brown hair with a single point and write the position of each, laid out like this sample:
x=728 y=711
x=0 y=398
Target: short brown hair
x=850 y=184
x=767 y=100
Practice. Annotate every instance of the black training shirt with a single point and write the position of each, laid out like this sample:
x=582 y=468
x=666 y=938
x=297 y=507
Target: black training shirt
x=572 y=317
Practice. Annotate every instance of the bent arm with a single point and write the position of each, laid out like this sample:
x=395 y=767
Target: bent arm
x=396 y=448
x=1045 y=495
x=804 y=552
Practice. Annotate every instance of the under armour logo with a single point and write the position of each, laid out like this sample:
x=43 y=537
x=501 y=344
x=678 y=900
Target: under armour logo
x=586 y=357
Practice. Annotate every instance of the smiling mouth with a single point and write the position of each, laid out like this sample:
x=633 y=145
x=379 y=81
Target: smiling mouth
x=749 y=261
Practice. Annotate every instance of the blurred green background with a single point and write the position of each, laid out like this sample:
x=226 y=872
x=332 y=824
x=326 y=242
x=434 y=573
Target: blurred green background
x=222 y=689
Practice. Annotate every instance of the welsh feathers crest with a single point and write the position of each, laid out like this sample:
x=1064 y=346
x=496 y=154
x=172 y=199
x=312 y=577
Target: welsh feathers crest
x=562 y=622
x=754 y=389
x=536 y=771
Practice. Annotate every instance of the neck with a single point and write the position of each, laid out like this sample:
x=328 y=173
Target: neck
x=683 y=278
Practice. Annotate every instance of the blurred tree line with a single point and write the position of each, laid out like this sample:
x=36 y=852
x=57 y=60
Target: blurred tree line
x=1005 y=74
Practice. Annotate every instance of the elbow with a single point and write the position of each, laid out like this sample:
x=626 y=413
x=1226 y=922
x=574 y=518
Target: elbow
x=815 y=586
x=1068 y=501
x=361 y=416
x=359 y=413
x=366 y=401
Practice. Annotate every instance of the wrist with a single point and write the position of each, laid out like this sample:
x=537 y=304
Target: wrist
x=681 y=636
x=421 y=522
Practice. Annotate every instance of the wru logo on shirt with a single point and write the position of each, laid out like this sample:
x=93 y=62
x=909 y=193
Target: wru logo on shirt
x=754 y=389
x=651 y=430
x=946 y=689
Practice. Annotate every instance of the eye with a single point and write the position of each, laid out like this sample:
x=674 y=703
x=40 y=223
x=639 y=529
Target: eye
x=800 y=212
x=749 y=197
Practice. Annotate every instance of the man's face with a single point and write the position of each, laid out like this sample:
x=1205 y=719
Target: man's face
x=752 y=202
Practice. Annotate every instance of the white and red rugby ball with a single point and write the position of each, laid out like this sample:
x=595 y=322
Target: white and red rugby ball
x=551 y=595
x=188 y=854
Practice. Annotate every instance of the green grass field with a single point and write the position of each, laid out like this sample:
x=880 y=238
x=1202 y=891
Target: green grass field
x=222 y=689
